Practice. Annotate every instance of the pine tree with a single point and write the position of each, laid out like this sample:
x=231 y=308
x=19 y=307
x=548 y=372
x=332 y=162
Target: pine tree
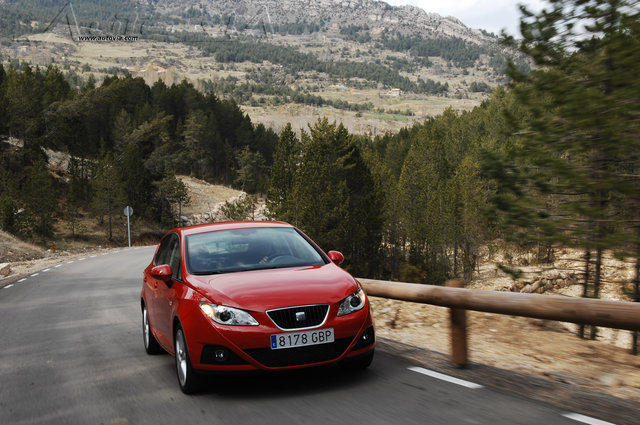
x=242 y=208
x=336 y=200
x=3 y=113
x=78 y=191
x=109 y=196
x=282 y=178
x=365 y=218
x=468 y=194
x=40 y=195
x=172 y=191
x=581 y=130
x=251 y=172
x=196 y=136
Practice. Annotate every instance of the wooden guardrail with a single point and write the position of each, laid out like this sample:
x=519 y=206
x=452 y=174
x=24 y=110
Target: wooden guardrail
x=587 y=311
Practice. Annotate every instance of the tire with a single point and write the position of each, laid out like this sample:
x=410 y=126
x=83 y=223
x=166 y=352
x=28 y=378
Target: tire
x=360 y=362
x=151 y=345
x=188 y=378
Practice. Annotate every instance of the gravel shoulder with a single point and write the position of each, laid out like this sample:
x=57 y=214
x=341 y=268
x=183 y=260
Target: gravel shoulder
x=540 y=348
x=562 y=394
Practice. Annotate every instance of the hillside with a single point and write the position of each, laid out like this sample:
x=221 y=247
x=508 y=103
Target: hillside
x=87 y=228
x=13 y=249
x=373 y=66
x=378 y=15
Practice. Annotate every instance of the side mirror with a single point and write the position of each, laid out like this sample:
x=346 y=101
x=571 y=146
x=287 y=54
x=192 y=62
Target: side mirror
x=336 y=256
x=162 y=272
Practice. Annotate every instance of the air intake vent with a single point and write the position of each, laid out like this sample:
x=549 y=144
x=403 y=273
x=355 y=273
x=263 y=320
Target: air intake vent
x=301 y=317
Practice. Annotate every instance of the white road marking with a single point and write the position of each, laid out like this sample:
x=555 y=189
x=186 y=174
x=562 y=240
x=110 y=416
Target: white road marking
x=83 y=258
x=22 y=280
x=585 y=419
x=35 y=274
x=45 y=270
x=56 y=266
x=92 y=256
x=69 y=262
x=8 y=286
x=444 y=377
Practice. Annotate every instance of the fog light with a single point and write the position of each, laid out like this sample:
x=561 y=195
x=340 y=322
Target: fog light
x=367 y=338
x=220 y=355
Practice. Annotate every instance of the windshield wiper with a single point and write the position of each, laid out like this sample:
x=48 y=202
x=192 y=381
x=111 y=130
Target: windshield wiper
x=211 y=272
x=269 y=267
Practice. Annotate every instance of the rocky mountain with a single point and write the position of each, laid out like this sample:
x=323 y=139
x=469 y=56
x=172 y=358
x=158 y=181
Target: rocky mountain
x=372 y=66
x=378 y=16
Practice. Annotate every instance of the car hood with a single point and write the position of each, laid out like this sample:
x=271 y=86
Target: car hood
x=261 y=290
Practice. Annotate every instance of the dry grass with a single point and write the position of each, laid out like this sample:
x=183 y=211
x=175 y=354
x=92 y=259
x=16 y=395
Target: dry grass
x=13 y=249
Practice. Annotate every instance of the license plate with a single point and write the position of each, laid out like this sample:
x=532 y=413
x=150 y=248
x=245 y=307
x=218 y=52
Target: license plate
x=301 y=339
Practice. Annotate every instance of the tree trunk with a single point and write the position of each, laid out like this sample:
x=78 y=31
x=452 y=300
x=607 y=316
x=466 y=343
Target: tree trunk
x=539 y=253
x=445 y=263
x=636 y=298
x=596 y=285
x=43 y=225
x=109 y=213
x=73 y=224
x=585 y=284
x=468 y=262
x=455 y=259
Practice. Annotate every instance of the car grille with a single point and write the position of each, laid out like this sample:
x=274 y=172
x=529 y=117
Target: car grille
x=300 y=355
x=285 y=318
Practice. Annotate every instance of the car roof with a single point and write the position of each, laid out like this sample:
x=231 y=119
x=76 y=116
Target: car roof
x=227 y=225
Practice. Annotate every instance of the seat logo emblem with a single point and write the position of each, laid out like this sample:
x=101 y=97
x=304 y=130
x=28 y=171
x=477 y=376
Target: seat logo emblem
x=300 y=316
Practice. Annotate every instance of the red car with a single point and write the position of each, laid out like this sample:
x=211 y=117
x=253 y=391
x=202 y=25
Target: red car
x=242 y=296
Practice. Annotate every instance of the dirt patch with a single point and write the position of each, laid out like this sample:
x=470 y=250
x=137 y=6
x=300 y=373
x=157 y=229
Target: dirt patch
x=205 y=196
x=207 y=200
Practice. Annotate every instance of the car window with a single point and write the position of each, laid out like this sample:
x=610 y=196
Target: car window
x=162 y=251
x=174 y=260
x=226 y=251
x=166 y=250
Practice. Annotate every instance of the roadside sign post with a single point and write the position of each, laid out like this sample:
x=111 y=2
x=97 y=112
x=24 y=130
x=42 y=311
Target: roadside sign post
x=128 y=211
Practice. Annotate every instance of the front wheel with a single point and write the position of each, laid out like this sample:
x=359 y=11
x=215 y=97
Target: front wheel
x=187 y=377
x=151 y=344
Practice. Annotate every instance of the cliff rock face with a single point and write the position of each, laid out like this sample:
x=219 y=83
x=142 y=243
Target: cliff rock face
x=377 y=15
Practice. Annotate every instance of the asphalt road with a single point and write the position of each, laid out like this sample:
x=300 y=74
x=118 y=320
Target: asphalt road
x=71 y=352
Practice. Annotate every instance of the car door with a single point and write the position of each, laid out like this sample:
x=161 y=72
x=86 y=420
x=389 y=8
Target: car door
x=153 y=284
x=165 y=292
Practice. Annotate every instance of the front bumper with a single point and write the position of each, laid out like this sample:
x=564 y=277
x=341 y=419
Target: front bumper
x=248 y=347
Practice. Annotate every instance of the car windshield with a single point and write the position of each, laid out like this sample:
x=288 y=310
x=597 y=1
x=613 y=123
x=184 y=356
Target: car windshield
x=227 y=251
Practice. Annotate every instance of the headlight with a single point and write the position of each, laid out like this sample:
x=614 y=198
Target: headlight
x=227 y=315
x=352 y=303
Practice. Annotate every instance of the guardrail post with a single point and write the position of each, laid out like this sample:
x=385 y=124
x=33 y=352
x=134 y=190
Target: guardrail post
x=458 y=330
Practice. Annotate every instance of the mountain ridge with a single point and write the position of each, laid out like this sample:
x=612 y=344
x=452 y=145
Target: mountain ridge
x=377 y=15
